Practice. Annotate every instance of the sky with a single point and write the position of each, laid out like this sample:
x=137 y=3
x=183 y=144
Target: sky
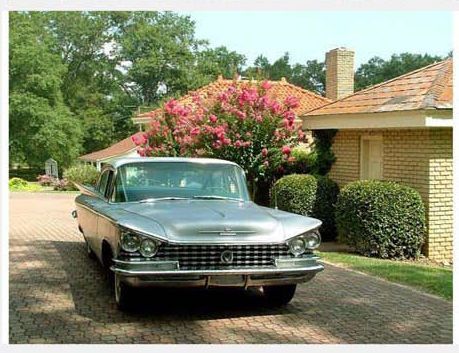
x=308 y=35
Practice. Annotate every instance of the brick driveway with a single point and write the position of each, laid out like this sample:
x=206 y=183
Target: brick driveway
x=58 y=295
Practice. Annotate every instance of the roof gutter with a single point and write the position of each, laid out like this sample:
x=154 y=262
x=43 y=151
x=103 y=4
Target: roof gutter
x=381 y=120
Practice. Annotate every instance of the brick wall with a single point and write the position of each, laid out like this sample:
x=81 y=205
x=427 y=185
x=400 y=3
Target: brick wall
x=420 y=158
x=440 y=206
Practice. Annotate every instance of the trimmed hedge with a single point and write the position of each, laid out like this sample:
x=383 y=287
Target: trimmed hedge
x=325 y=205
x=308 y=195
x=382 y=219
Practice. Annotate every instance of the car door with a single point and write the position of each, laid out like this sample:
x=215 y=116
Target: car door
x=97 y=205
x=105 y=227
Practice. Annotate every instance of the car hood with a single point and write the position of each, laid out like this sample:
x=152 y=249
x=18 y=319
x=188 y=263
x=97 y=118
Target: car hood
x=213 y=221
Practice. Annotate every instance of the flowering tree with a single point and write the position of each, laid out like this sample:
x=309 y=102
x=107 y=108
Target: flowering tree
x=242 y=124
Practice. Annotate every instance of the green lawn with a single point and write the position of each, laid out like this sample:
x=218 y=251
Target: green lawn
x=429 y=278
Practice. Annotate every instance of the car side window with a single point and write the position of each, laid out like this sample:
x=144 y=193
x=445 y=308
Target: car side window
x=104 y=183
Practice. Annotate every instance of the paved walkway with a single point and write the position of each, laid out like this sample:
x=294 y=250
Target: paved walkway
x=58 y=295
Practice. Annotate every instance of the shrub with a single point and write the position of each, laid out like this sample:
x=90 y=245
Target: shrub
x=308 y=195
x=17 y=183
x=82 y=174
x=295 y=193
x=301 y=163
x=45 y=180
x=63 y=185
x=382 y=219
x=325 y=205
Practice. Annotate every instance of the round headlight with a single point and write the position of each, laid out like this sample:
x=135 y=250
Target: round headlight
x=130 y=242
x=149 y=248
x=297 y=246
x=312 y=240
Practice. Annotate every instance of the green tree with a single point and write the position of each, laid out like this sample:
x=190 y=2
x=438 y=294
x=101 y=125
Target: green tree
x=310 y=76
x=219 y=61
x=280 y=68
x=41 y=126
x=377 y=70
x=92 y=85
x=158 y=50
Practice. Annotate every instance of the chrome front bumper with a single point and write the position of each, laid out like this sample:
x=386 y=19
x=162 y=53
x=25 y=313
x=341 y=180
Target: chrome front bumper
x=168 y=273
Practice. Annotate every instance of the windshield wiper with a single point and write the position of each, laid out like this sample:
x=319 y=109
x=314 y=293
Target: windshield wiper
x=153 y=199
x=215 y=197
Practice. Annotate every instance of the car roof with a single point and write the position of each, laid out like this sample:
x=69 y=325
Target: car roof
x=126 y=160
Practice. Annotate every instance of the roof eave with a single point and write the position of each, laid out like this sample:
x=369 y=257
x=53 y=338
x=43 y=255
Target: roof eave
x=382 y=120
x=89 y=159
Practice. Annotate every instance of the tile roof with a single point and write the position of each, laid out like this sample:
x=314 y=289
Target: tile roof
x=430 y=87
x=117 y=149
x=279 y=90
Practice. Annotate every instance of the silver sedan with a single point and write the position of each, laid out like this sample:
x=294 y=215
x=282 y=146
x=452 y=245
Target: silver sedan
x=189 y=222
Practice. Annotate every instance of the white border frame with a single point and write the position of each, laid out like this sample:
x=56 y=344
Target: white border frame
x=4 y=159
x=184 y=5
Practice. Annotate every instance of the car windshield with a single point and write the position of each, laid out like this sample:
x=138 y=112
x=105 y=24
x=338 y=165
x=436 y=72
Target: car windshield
x=157 y=181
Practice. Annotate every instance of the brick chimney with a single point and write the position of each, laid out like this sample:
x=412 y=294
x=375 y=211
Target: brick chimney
x=339 y=65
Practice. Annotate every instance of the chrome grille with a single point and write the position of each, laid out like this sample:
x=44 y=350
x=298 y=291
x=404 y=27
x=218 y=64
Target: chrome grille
x=191 y=257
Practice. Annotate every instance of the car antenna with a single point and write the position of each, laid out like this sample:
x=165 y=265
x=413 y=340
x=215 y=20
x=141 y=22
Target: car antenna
x=275 y=196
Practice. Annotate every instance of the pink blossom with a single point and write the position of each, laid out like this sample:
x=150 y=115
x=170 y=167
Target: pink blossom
x=241 y=115
x=170 y=105
x=226 y=141
x=248 y=95
x=289 y=115
x=219 y=131
x=292 y=102
x=266 y=85
x=264 y=152
x=264 y=101
x=301 y=134
x=141 y=152
x=195 y=131
x=213 y=118
x=286 y=150
x=139 y=139
x=208 y=129
x=238 y=143
x=275 y=107
x=266 y=164
x=223 y=97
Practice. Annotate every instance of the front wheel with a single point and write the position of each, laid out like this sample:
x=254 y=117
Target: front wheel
x=279 y=295
x=123 y=294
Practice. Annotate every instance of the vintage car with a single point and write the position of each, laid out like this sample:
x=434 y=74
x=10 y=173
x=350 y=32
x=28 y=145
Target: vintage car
x=189 y=222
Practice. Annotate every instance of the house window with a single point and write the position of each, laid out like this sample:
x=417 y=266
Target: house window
x=371 y=157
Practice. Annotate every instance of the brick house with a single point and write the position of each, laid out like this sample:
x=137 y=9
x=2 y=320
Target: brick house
x=399 y=130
